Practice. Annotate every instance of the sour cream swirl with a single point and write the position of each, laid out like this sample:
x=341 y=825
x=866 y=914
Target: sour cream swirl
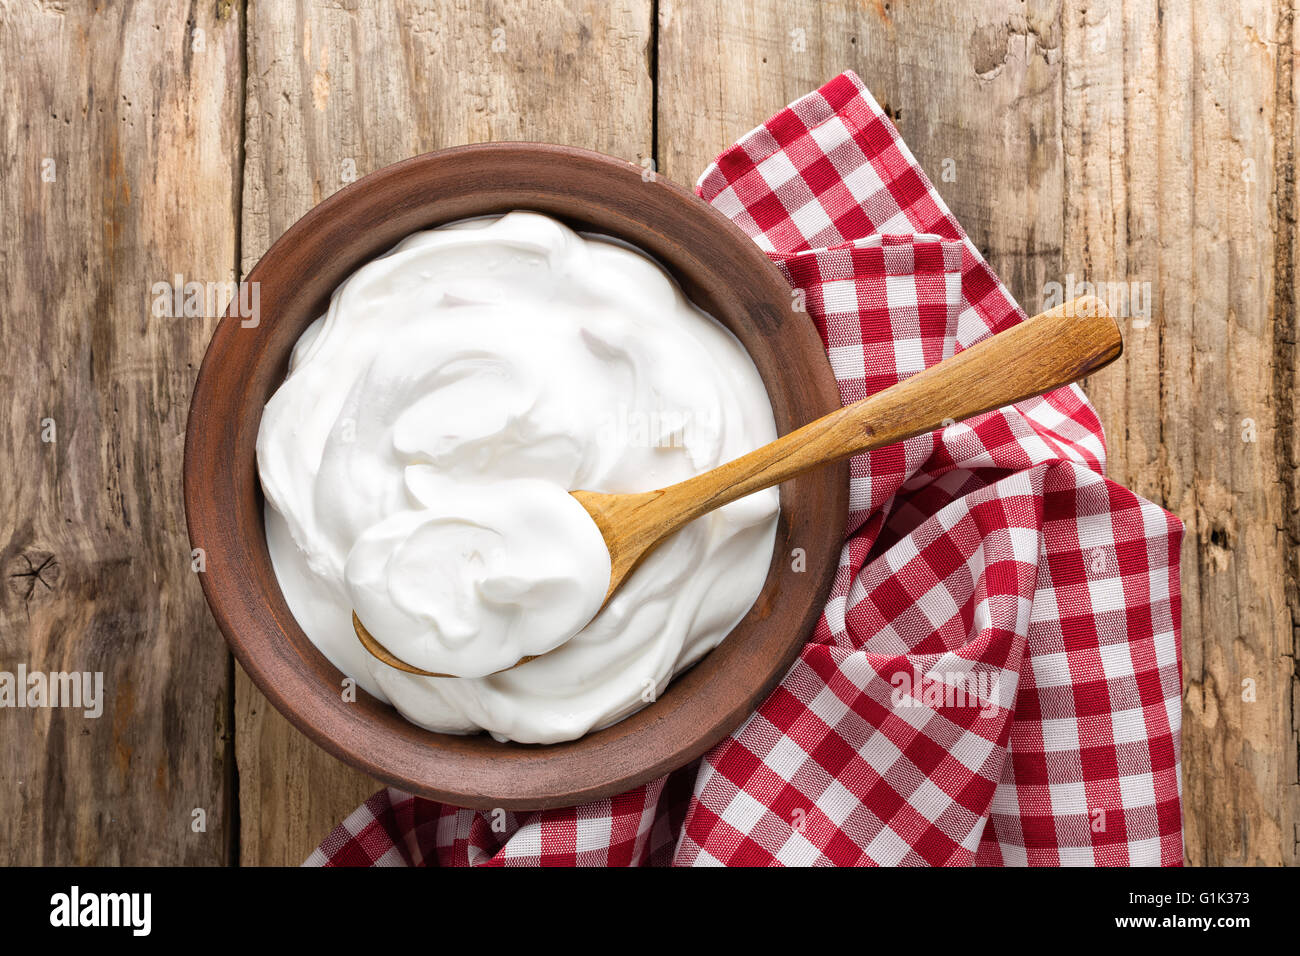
x=417 y=461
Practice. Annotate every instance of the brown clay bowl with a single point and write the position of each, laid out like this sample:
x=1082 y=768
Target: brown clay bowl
x=718 y=267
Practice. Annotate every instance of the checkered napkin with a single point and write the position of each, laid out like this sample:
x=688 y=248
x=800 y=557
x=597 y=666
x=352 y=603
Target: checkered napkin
x=996 y=677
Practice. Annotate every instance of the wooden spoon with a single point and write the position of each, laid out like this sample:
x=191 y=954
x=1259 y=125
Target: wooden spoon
x=1046 y=352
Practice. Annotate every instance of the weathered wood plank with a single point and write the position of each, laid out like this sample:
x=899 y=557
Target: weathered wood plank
x=335 y=92
x=117 y=156
x=1175 y=181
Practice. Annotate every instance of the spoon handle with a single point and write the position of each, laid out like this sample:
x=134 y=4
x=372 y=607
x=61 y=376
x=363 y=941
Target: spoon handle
x=1046 y=352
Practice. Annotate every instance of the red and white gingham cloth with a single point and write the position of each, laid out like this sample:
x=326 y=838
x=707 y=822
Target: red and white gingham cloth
x=993 y=557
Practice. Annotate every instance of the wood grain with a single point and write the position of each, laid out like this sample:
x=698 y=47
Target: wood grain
x=119 y=171
x=1179 y=131
x=335 y=93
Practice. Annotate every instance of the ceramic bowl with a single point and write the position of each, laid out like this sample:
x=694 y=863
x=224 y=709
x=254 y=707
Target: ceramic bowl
x=719 y=268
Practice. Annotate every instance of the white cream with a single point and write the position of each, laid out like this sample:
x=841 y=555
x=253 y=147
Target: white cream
x=418 y=457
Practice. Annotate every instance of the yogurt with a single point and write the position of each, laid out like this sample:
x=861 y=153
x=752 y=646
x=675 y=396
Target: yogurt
x=418 y=458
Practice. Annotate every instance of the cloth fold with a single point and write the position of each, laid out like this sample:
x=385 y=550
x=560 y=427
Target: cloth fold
x=996 y=678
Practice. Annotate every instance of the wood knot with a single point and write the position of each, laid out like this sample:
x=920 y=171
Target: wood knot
x=33 y=573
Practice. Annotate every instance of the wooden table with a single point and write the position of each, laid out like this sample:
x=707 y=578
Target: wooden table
x=1144 y=141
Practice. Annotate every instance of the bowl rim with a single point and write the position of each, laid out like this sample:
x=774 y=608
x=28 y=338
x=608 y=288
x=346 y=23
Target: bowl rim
x=261 y=633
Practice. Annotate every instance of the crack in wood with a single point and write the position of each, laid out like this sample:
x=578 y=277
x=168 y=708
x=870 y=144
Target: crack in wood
x=1284 y=341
